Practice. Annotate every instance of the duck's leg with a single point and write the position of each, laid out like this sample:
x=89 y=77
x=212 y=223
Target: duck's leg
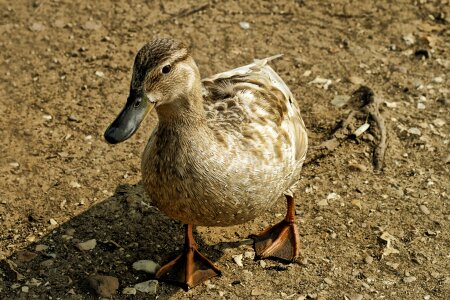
x=281 y=240
x=190 y=268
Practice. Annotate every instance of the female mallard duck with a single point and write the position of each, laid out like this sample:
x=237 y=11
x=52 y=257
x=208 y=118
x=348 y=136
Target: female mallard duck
x=225 y=149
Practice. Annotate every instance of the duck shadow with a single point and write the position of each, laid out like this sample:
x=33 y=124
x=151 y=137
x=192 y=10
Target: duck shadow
x=126 y=227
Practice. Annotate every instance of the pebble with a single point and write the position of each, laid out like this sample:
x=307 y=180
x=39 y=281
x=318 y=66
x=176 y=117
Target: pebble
x=26 y=256
x=129 y=291
x=409 y=279
x=87 y=245
x=357 y=203
x=104 y=286
x=340 y=100
x=53 y=222
x=73 y=118
x=75 y=184
x=47 y=263
x=99 y=73
x=324 y=82
x=438 y=122
x=426 y=297
x=149 y=287
x=438 y=79
x=37 y=27
x=356 y=80
x=244 y=25
x=147 y=266
x=238 y=260
x=409 y=39
x=307 y=73
x=92 y=25
x=14 y=165
x=249 y=254
x=424 y=209
x=356 y=297
x=391 y=104
x=25 y=289
x=368 y=259
x=333 y=196
x=257 y=292
x=47 y=117
x=41 y=247
x=328 y=281
x=262 y=263
x=420 y=105
x=323 y=202
x=414 y=130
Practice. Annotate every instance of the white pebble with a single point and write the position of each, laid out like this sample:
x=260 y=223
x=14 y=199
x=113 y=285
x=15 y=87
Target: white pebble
x=148 y=266
x=99 y=73
x=129 y=291
x=244 y=25
x=87 y=245
x=414 y=130
x=75 y=184
x=238 y=260
x=438 y=122
x=149 y=286
x=420 y=105
x=53 y=222
x=438 y=79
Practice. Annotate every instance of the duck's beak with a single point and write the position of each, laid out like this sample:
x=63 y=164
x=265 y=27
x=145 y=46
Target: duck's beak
x=129 y=119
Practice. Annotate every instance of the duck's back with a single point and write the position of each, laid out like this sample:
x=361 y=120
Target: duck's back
x=251 y=110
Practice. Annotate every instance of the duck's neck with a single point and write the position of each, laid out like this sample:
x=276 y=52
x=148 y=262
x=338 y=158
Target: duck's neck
x=186 y=110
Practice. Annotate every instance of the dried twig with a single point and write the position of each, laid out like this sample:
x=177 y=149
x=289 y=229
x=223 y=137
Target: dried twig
x=365 y=102
x=371 y=106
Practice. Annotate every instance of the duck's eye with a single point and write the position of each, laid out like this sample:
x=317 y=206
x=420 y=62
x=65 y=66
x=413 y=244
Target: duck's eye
x=166 y=69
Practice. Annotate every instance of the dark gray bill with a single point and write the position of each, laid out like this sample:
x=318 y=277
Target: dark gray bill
x=129 y=119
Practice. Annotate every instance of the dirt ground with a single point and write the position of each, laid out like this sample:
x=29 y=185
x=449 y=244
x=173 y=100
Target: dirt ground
x=65 y=68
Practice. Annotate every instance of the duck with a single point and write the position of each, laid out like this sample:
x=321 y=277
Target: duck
x=225 y=149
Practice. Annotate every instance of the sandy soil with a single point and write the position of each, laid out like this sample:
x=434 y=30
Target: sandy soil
x=65 y=68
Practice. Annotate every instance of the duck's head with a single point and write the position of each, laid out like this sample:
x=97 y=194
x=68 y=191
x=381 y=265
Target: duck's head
x=163 y=74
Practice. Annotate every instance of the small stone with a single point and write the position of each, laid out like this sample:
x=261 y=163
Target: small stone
x=47 y=263
x=414 y=131
x=73 y=118
x=328 y=281
x=323 y=202
x=340 y=100
x=87 y=245
x=438 y=122
x=99 y=73
x=424 y=209
x=257 y=292
x=149 y=287
x=53 y=222
x=357 y=203
x=75 y=184
x=368 y=259
x=129 y=291
x=147 y=266
x=409 y=279
x=391 y=104
x=333 y=196
x=14 y=165
x=25 y=289
x=421 y=106
x=307 y=73
x=104 y=286
x=409 y=39
x=221 y=293
x=26 y=256
x=47 y=117
x=426 y=297
x=249 y=254
x=37 y=27
x=41 y=247
x=92 y=25
x=356 y=80
x=238 y=260
x=244 y=25
x=438 y=79
x=262 y=263
x=355 y=297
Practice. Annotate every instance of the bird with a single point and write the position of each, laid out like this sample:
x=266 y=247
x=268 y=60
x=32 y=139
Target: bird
x=225 y=149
